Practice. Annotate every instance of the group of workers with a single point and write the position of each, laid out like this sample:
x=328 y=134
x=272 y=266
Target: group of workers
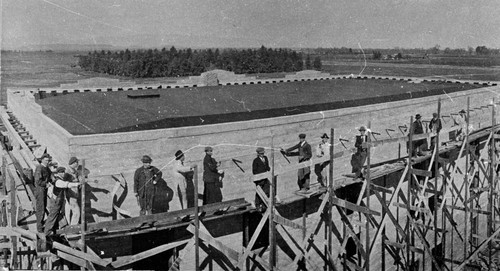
x=147 y=176
x=56 y=188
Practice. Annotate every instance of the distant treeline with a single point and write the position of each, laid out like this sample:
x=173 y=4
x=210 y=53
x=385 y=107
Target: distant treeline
x=436 y=50
x=186 y=62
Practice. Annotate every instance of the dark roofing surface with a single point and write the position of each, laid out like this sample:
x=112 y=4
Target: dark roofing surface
x=108 y=112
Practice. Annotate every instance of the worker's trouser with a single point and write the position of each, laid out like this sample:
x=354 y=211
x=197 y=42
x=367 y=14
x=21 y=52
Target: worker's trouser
x=318 y=168
x=266 y=187
x=55 y=208
x=41 y=202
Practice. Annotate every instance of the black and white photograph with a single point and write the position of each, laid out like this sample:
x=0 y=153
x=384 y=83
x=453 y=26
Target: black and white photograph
x=250 y=135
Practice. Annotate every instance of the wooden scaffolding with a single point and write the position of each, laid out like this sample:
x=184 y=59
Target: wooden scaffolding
x=413 y=213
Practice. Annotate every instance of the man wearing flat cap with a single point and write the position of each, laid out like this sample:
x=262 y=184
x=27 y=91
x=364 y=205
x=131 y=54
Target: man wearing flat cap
x=212 y=192
x=304 y=153
x=179 y=172
x=261 y=165
x=145 y=178
x=322 y=149
x=72 y=209
x=435 y=127
x=56 y=198
x=358 y=159
x=42 y=178
x=418 y=129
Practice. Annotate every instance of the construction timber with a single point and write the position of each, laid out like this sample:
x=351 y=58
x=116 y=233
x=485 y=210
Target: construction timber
x=438 y=211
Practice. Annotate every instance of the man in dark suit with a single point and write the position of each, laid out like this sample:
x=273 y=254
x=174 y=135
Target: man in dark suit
x=211 y=177
x=418 y=128
x=260 y=165
x=358 y=159
x=304 y=153
x=145 y=179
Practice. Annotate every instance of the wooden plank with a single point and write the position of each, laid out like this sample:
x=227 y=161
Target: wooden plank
x=427 y=227
x=70 y=258
x=286 y=222
x=169 y=217
x=381 y=188
x=413 y=208
x=353 y=207
x=148 y=253
x=478 y=249
x=420 y=172
x=206 y=237
x=80 y=254
x=477 y=211
x=255 y=235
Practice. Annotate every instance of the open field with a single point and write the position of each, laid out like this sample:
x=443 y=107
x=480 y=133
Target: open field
x=449 y=60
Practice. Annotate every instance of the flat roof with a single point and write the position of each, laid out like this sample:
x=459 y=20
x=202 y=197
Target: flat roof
x=110 y=112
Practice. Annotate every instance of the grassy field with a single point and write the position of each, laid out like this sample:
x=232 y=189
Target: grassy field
x=460 y=61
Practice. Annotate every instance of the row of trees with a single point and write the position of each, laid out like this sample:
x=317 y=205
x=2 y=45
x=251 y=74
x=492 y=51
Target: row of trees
x=186 y=62
x=435 y=50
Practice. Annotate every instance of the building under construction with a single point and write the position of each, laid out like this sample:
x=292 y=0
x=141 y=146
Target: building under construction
x=436 y=211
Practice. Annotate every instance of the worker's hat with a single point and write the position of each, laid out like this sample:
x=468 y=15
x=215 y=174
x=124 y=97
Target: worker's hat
x=146 y=159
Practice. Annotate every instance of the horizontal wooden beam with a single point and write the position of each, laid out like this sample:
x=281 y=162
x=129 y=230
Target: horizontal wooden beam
x=413 y=208
x=477 y=211
x=427 y=227
x=146 y=254
x=168 y=217
x=353 y=207
x=286 y=222
x=420 y=172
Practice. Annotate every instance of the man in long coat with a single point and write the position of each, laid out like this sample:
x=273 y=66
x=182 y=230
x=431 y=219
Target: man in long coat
x=418 y=128
x=145 y=179
x=304 y=153
x=211 y=177
x=260 y=165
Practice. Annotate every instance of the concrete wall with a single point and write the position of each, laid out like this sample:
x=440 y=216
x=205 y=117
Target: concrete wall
x=108 y=154
x=46 y=131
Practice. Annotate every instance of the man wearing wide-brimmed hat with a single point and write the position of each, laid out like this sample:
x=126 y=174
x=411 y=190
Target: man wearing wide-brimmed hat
x=322 y=149
x=261 y=165
x=212 y=192
x=304 y=153
x=179 y=172
x=145 y=178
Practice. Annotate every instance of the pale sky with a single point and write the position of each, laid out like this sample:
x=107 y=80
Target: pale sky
x=252 y=23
